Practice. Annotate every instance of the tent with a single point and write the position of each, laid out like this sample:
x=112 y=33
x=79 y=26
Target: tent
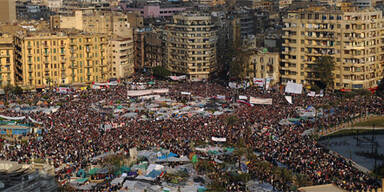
x=80 y=181
x=195 y=159
x=170 y=154
x=93 y=171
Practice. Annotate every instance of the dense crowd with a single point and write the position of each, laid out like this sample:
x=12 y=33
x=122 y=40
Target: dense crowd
x=73 y=134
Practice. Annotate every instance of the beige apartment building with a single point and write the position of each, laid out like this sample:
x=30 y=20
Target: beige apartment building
x=263 y=64
x=53 y=59
x=122 y=57
x=352 y=37
x=7 y=11
x=191 y=45
x=93 y=21
x=7 y=61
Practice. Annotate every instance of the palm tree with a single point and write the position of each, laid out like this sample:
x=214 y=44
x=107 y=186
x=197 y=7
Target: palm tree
x=49 y=81
x=324 y=67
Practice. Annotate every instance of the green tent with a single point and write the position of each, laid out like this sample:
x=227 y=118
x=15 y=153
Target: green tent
x=213 y=152
x=125 y=169
x=119 y=107
x=151 y=83
x=93 y=171
x=195 y=159
x=201 y=189
x=82 y=180
x=293 y=119
x=230 y=149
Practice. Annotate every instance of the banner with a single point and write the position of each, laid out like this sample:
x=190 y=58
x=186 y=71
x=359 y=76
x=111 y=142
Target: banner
x=242 y=97
x=178 y=78
x=34 y=121
x=289 y=99
x=12 y=118
x=233 y=85
x=294 y=88
x=311 y=94
x=260 y=101
x=186 y=93
x=135 y=93
x=219 y=139
x=220 y=97
x=63 y=90
x=150 y=97
x=259 y=82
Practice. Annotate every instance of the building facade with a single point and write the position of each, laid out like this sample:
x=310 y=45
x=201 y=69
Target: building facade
x=351 y=36
x=7 y=11
x=191 y=45
x=264 y=65
x=122 y=57
x=92 y=21
x=155 y=11
x=7 y=61
x=53 y=59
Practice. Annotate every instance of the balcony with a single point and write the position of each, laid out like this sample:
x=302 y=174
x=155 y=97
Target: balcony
x=4 y=55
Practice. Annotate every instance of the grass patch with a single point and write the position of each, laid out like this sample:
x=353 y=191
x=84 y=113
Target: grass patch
x=377 y=121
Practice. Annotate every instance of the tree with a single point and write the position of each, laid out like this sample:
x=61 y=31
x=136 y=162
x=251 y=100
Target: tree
x=13 y=89
x=160 y=71
x=324 y=67
x=380 y=88
x=17 y=90
x=49 y=81
x=239 y=57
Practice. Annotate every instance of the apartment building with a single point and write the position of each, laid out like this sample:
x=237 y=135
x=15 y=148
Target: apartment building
x=191 y=45
x=351 y=36
x=7 y=11
x=122 y=57
x=93 y=21
x=7 y=61
x=263 y=64
x=62 y=58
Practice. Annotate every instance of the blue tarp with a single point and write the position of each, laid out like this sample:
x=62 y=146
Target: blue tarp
x=154 y=174
x=132 y=174
x=168 y=156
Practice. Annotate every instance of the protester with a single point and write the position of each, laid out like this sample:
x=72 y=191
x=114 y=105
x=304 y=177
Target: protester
x=73 y=135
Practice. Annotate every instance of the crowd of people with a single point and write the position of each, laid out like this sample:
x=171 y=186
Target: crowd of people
x=73 y=135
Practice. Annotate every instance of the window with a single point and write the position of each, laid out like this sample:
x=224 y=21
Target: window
x=324 y=17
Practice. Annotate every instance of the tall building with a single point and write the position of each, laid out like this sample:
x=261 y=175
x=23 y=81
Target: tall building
x=191 y=45
x=53 y=59
x=351 y=36
x=243 y=23
x=7 y=11
x=7 y=61
x=122 y=57
x=92 y=21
